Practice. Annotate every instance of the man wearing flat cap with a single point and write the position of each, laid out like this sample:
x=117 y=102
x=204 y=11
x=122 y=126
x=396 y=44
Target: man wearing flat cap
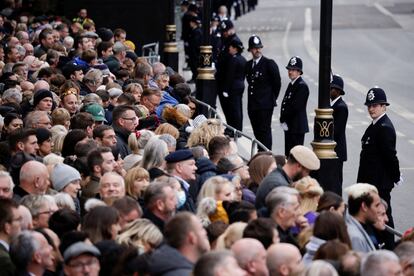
x=81 y=258
x=378 y=164
x=181 y=165
x=340 y=115
x=301 y=161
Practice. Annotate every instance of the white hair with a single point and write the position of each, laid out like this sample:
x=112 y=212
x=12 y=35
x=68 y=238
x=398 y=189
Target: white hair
x=359 y=189
x=375 y=262
x=64 y=200
x=92 y=203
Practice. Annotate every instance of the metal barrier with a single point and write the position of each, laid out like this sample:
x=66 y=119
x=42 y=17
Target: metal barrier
x=212 y=113
x=151 y=52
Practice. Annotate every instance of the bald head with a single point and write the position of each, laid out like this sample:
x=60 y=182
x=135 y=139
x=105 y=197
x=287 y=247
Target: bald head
x=41 y=84
x=27 y=86
x=251 y=256
x=284 y=259
x=34 y=177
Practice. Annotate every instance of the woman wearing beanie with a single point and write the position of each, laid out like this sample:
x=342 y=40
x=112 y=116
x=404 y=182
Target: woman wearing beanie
x=66 y=179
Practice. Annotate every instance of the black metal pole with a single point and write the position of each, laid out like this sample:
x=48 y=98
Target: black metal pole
x=323 y=143
x=325 y=48
x=170 y=57
x=206 y=84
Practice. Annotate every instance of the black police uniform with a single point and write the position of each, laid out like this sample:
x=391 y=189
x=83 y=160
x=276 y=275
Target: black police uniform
x=194 y=43
x=293 y=108
x=340 y=116
x=232 y=87
x=264 y=86
x=378 y=164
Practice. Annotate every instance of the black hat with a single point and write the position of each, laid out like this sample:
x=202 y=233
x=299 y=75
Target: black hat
x=105 y=34
x=376 y=95
x=295 y=63
x=193 y=7
x=70 y=68
x=226 y=25
x=255 y=42
x=40 y=95
x=194 y=19
x=236 y=43
x=179 y=155
x=42 y=134
x=338 y=83
x=185 y=3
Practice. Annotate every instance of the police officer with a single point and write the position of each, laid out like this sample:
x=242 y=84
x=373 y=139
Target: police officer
x=293 y=117
x=340 y=116
x=194 y=43
x=232 y=88
x=228 y=33
x=378 y=164
x=263 y=78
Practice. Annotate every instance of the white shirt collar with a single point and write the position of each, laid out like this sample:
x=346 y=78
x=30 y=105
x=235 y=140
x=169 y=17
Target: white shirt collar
x=293 y=81
x=257 y=60
x=334 y=101
x=5 y=244
x=185 y=183
x=376 y=120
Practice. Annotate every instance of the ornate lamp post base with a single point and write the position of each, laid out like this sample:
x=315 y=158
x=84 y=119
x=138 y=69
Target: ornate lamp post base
x=170 y=57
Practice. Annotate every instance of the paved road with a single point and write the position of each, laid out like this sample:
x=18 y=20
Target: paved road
x=373 y=44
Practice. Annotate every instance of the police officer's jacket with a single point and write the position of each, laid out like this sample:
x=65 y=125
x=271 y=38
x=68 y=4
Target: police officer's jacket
x=263 y=84
x=293 y=108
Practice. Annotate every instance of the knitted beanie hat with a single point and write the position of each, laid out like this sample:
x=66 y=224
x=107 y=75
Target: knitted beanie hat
x=62 y=175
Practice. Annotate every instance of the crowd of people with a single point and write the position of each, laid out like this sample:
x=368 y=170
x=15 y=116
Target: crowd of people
x=107 y=169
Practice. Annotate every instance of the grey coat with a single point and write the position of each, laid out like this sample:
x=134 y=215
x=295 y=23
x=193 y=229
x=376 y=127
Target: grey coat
x=360 y=240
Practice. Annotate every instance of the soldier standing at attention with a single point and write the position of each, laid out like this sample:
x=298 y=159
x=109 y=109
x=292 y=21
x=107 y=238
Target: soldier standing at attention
x=293 y=110
x=378 y=163
x=263 y=78
x=340 y=116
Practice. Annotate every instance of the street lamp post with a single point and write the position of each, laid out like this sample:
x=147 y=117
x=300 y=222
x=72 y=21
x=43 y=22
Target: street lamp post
x=206 y=84
x=323 y=143
x=170 y=57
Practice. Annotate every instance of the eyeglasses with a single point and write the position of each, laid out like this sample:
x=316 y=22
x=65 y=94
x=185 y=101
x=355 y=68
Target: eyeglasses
x=50 y=212
x=131 y=119
x=79 y=266
x=239 y=167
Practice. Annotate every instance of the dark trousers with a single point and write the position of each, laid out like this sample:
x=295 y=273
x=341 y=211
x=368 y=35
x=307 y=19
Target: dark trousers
x=233 y=110
x=261 y=123
x=293 y=139
x=389 y=239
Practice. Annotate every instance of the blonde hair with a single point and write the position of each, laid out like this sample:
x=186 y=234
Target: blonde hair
x=167 y=128
x=309 y=191
x=139 y=233
x=52 y=159
x=137 y=144
x=60 y=116
x=213 y=186
x=232 y=234
x=202 y=135
x=133 y=174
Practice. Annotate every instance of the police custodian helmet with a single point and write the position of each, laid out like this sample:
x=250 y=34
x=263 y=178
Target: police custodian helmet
x=255 y=42
x=376 y=95
x=338 y=83
x=295 y=63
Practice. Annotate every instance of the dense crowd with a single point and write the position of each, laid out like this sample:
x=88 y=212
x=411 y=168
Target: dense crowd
x=106 y=169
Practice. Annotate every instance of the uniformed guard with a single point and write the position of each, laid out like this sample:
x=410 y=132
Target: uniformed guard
x=293 y=117
x=228 y=33
x=194 y=42
x=340 y=116
x=263 y=78
x=231 y=90
x=378 y=164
